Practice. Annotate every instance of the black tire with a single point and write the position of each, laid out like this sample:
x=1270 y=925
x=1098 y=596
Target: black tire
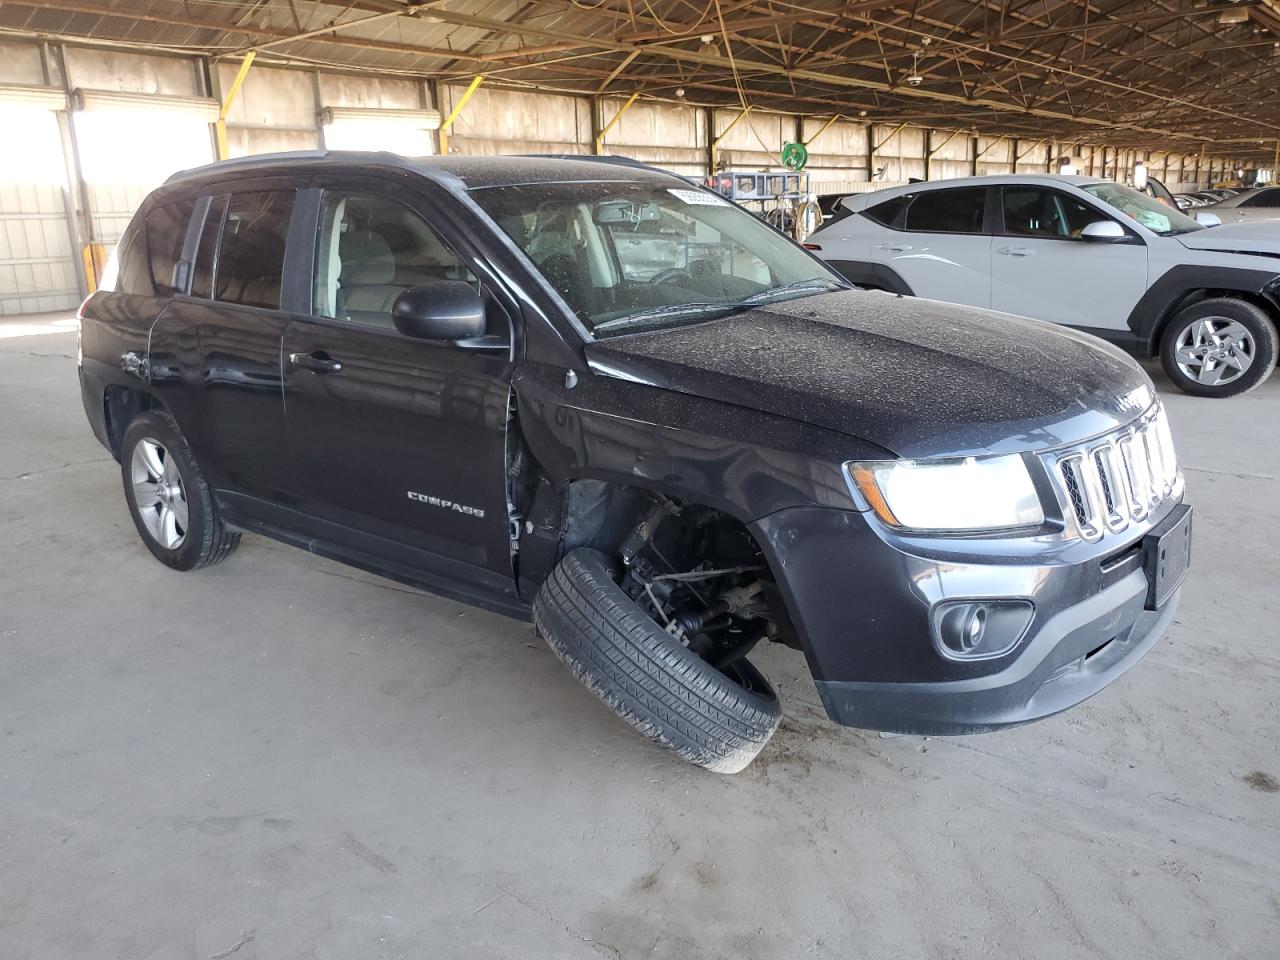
x=1260 y=327
x=205 y=539
x=717 y=720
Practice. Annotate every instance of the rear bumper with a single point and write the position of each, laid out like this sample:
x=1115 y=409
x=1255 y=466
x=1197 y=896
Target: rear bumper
x=862 y=602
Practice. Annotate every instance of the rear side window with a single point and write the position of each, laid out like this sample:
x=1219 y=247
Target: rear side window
x=889 y=212
x=250 y=260
x=1267 y=198
x=166 y=233
x=948 y=211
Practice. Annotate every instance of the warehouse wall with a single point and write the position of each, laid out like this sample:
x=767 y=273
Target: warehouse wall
x=38 y=257
x=82 y=173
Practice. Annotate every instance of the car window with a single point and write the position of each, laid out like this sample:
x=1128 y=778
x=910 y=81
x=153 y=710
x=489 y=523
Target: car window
x=889 y=212
x=1152 y=214
x=166 y=232
x=128 y=270
x=1040 y=212
x=948 y=211
x=629 y=255
x=207 y=249
x=371 y=250
x=1264 y=198
x=250 y=259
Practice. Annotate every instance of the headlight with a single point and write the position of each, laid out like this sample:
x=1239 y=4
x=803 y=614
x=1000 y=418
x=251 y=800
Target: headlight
x=973 y=493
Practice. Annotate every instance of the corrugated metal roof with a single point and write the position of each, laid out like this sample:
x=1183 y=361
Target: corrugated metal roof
x=1161 y=75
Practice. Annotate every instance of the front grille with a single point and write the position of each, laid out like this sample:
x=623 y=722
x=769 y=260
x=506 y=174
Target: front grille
x=1117 y=480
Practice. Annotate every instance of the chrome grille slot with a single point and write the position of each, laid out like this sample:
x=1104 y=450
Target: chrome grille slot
x=1073 y=481
x=1119 y=479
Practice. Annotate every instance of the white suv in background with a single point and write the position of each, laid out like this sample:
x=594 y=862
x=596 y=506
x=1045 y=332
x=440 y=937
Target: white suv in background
x=1079 y=251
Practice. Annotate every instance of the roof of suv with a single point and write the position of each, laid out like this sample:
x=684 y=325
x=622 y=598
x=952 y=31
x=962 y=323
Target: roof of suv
x=860 y=201
x=468 y=172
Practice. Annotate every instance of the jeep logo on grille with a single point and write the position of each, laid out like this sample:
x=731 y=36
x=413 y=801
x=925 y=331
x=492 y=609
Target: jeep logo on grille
x=445 y=504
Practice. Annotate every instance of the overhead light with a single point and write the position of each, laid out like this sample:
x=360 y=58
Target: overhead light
x=1233 y=15
x=914 y=79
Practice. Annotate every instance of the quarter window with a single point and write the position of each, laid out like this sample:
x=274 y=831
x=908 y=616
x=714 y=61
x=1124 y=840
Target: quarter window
x=250 y=261
x=889 y=212
x=370 y=251
x=948 y=211
x=166 y=233
x=1037 y=212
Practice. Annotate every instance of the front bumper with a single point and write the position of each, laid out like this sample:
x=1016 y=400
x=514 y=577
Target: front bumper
x=860 y=601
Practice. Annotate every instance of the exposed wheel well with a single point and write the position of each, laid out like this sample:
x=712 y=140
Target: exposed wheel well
x=632 y=524
x=120 y=406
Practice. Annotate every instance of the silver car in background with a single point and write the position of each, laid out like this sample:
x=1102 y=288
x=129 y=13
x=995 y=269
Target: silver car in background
x=1260 y=203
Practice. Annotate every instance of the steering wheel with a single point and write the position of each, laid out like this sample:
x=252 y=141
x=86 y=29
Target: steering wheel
x=673 y=275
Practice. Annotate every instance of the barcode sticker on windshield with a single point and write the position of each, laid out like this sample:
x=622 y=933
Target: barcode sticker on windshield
x=698 y=197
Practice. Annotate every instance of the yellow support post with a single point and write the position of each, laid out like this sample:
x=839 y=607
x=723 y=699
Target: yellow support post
x=715 y=142
x=612 y=123
x=821 y=130
x=220 y=128
x=457 y=109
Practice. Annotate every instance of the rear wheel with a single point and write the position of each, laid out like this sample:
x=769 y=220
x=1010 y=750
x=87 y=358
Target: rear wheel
x=1219 y=348
x=168 y=497
x=718 y=717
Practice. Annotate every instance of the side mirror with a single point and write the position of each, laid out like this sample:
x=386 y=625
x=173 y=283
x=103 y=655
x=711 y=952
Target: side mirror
x=439 y=310
x=1103 y=231
x=1207 y=219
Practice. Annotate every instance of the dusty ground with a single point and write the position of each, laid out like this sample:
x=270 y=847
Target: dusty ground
x=281 y=757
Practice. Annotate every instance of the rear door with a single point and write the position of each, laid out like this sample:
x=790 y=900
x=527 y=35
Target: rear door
x=215 y=355
x=937 y=243
x=1040 y=267
x=400 y=443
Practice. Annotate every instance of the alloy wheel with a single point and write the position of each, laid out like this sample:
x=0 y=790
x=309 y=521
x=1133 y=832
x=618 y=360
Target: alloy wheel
x=1214 y=351
x=158 y=493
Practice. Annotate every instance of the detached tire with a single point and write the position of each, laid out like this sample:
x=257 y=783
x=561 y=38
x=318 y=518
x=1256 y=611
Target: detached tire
x=718 y=720
x=168 y=496
x=1221 y=347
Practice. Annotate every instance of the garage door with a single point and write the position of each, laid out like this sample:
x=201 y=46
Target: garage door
x=37 y=255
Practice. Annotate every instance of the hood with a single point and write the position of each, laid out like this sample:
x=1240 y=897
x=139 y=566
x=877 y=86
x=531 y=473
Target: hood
x=917 y=377
x=1257 y=237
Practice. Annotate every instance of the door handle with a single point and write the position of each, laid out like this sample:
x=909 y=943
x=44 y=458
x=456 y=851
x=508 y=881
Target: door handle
x=1016 y=251
x=317 y=362
x=895 y=247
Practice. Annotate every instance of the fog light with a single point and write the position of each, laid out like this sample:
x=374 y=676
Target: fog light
x=979 y=629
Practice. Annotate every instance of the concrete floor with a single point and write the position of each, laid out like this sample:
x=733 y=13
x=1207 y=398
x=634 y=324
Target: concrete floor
x=281 y=757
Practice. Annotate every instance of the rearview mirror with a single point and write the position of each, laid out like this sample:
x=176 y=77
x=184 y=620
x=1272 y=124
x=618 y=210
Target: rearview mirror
x=1207 y=219
x=1103 y=231
x=439 y=310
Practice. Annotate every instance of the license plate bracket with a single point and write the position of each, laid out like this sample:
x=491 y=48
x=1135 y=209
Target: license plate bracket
x=1166 y=552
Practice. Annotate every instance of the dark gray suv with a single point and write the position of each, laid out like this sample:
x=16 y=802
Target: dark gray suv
x=592 y=395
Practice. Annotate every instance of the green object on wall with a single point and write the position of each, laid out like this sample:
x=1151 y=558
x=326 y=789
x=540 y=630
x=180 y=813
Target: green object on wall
x=795 y=156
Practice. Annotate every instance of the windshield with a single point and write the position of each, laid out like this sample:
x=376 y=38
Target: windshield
x=1148 y=211
x=632 y=256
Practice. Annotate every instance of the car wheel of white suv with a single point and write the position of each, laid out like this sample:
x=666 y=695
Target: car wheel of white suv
x=1219 y=348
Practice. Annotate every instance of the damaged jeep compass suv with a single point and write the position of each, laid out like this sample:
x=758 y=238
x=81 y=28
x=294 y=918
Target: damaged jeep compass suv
x=591 y=395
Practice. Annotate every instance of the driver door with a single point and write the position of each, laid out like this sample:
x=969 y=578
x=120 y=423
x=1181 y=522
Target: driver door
x=1040 y=267
x=399 y=443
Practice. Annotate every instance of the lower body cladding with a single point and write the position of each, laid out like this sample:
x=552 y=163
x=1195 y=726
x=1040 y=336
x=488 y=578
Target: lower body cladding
x=947 y=637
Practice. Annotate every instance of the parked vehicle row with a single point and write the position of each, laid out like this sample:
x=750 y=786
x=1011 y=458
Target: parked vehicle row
x=1082 y=252
x=598 y=397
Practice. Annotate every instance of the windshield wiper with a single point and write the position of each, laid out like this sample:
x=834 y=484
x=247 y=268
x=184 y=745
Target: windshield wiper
x=817 y=284
x=660 y=313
